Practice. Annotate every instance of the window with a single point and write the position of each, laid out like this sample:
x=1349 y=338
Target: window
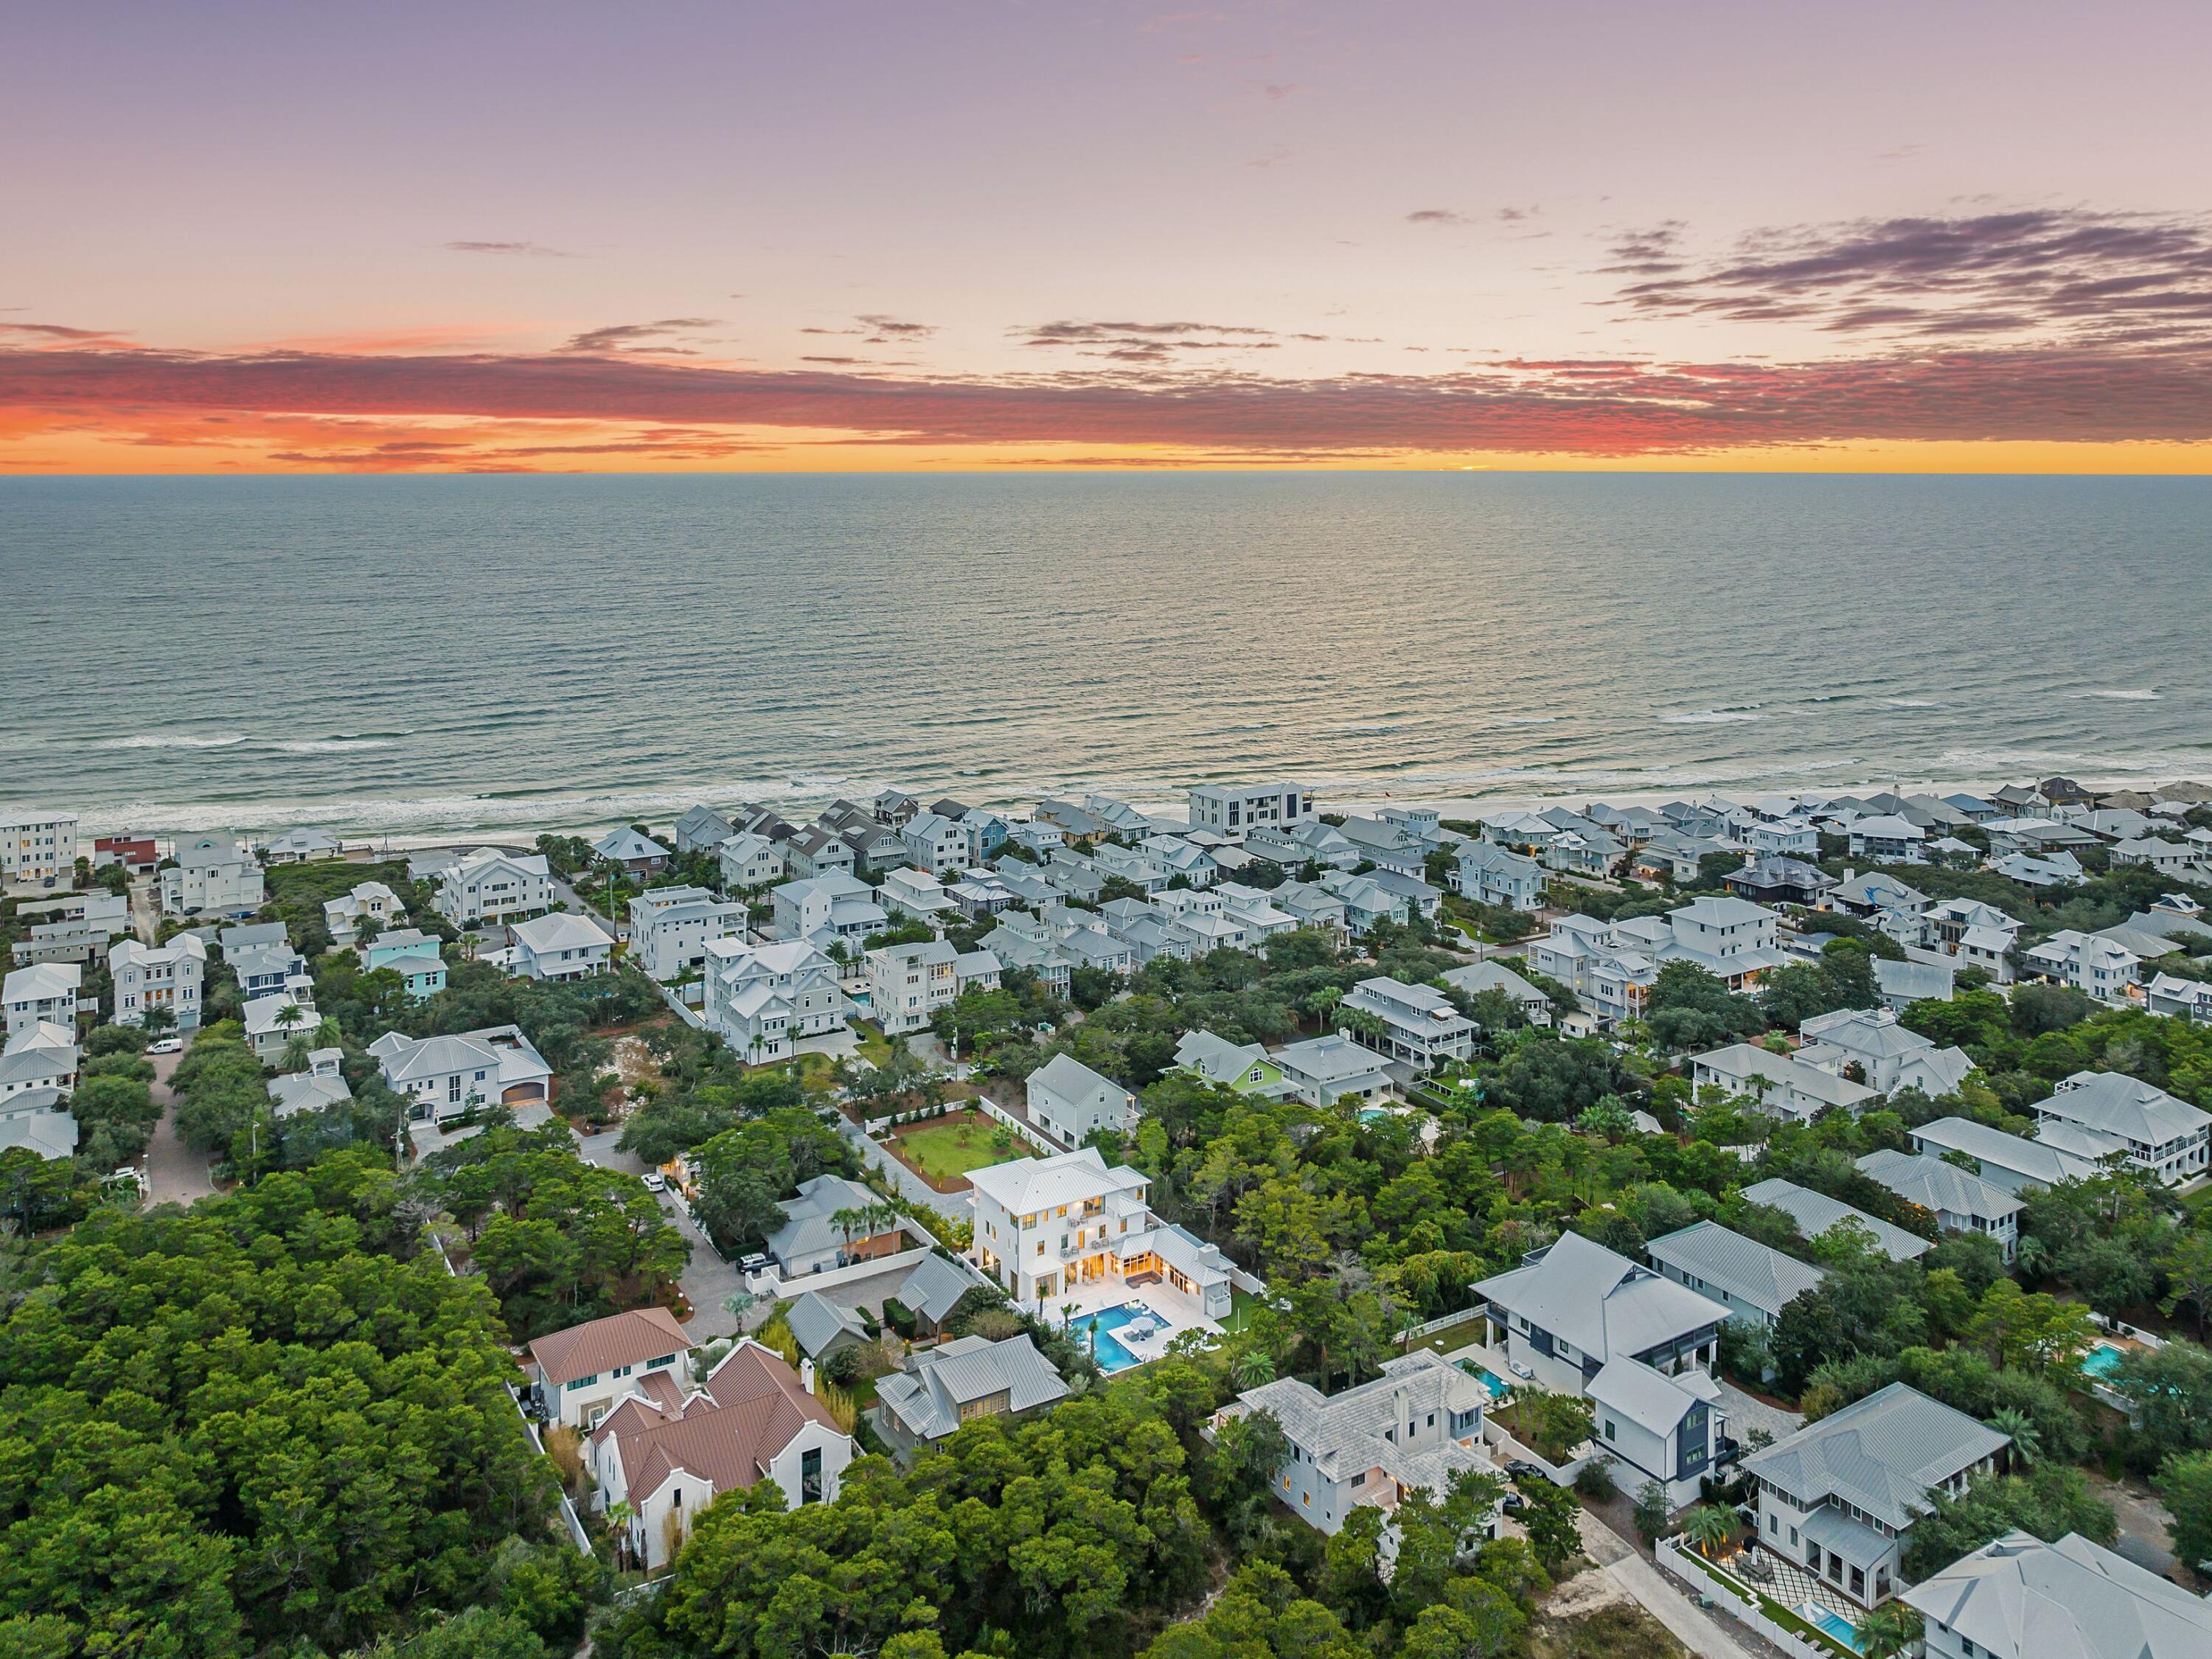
x=1610 y=1431
x=810 y=1475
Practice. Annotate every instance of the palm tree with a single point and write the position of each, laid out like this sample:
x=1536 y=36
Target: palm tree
x=1254 y=1366
x=290 y=1016
x=2033 y=1256
x=1708 y=1525
x=2026 y=1439
x=1888 y=1631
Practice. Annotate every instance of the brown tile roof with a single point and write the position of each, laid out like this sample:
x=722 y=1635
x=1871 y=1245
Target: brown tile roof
x=602 y=1345
x=751 y=1407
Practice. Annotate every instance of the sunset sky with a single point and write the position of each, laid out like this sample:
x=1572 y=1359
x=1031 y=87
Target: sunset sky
x=822 y=236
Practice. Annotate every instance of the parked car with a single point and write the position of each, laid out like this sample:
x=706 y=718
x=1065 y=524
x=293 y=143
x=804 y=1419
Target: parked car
x=1522 y=1469
x=655 y=1182
x=170 y=1045
x=1514 y=1502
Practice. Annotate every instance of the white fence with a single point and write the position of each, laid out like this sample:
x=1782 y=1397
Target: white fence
x=771 y=1285
x=1738 y=1600
x=1559 y=1475
x=673 y=998
x=1414 y=1332
x=1021 y=1125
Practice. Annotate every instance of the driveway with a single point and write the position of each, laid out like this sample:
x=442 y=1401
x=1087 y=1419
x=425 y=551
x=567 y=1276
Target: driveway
x=2143 y=1521
x=174 y=1173
x=1747 y=1412
x=707 y=1281
x=1695 y=1629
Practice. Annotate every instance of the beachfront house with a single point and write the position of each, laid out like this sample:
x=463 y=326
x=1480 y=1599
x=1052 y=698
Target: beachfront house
x=492 y=885
x=1232 y=811
x=212 y=875
x=703 y=829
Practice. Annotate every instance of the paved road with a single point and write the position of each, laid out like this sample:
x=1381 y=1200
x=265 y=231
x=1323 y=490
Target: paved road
x=708 y=1281
x=174 y=1173
x=1695 y=1629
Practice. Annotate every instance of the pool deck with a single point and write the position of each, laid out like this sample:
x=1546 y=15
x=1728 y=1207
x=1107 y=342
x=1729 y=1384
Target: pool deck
x=1178 y=1312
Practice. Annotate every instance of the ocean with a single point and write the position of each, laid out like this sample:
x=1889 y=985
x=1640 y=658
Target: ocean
x=417 y=656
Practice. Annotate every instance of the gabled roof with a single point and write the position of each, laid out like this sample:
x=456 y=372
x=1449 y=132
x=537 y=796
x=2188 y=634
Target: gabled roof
x=601 y=1345
x=2037 y=1160
x=1880 y=1454
x=625 y=845
x=1647 y=1398
x=927 y=1398
x=2071 y=1599
x=1816 y=1212
x=1934 y=1185
x=726 y=1433
x=1599 y=1301
x=815 y=1322
x=935 y=1286
x=2115 y=1103
x=1738 y=1267
x=560 y=930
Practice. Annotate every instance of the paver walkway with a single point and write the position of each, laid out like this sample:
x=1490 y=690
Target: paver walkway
x=175 y=1174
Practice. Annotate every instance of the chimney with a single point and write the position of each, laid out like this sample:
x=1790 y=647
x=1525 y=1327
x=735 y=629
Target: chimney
x=1850 y=874
x=806 y=1375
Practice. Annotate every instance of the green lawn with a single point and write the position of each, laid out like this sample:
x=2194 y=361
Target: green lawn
x=944 y=1151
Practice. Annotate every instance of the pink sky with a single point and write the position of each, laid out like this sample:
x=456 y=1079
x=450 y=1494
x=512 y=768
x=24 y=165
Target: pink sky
x=841 y=235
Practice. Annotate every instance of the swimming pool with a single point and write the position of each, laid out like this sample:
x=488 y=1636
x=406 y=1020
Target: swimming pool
x=1498 y=1387
x=1830 y=1621
x=1095 y=1331
x=2102 y=1361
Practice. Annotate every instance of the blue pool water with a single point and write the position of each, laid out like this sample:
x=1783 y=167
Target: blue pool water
x=1095 y=1332
x=2101 y=1361
x=1833 y=1623
x=1498 y=1387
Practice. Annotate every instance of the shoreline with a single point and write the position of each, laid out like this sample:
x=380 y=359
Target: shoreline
x=664 y=806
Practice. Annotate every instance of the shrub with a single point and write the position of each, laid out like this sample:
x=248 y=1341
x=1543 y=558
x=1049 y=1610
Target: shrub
x=898 y=1317
x=1595 y=1478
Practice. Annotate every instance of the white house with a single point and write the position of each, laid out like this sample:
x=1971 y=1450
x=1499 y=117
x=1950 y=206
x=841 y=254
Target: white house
x=212 y=876
x=917 y=894
x=2098 y=967
x=40 y=1059
x=1960 y=1202
x=446 y=1077
x=299 y=847
x=369 y=901
x=1491 y=874
x=559 y=946
x=671 y=927
x=703 y=829
x=1324 y=1071
x=1753 y=1281
x=2018 y=1597
x=1780 y=1085
x=48 y=992
x=1414 y=1024
x=668 y=1453
x=751 y=861
x=272 y=1022
x=1535 y=1007
x=825 y=908
x=147 y=976
x=1886 y=1056
x=1045 y=1225
x=37 y=848
x=1580 y=1319
x=1888 y=840
x=580 y=1372
x=1234 y=811
x=765 y=1000
x=909 y=983
x=1838 y=1497
x=1069 y=1100
x=490 y=885
x=2166 y=1138
x=934 y=844
x=1410 y=1430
